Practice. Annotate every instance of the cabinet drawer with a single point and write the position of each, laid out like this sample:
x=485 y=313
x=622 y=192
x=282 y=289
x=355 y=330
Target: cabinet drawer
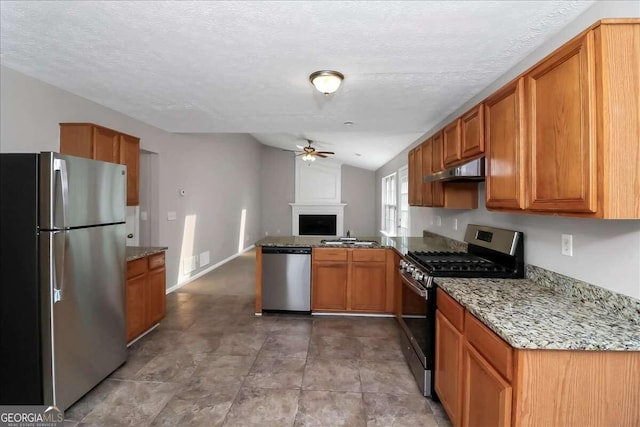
x=493 y=348
x=369 y=255
x=136 y=267
x=453 y=311
x=156 y=261
x=329 y=254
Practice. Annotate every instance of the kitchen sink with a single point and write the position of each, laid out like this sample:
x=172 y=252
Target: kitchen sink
x=349 y=242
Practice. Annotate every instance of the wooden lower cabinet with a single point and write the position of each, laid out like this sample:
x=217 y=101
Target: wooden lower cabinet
x=345 y=280
x=145 y=290
x=501 y=386
x=486 y=395
x=448 y=367
x=368 y=286
x=329 y=285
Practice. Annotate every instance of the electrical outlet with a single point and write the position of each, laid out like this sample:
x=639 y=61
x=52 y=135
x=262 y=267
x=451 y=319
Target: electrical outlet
x=438 y=220
x=455 y=223
x=567 y=244
x=143 y=216
x=171 y=216
x=266 y=233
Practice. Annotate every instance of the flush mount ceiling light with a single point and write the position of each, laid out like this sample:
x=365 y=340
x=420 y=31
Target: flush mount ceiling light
x=326 y=81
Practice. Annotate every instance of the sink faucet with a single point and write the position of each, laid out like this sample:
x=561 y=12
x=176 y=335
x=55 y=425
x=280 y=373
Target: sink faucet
x=348 y=233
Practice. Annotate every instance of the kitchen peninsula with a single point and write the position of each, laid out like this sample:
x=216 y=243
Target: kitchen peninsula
x=543 y=350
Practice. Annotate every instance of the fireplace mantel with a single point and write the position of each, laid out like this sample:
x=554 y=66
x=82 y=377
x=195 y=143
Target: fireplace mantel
x=298 y=209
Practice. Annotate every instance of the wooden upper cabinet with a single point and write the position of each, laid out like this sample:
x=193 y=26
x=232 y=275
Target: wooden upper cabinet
x=427 y=188
x=417 y=170
x=106 y=145
x=451 y=144
x=130 y=156
x=436 y=150
x=472 y=133
x=504 y=136
x=99 y=143
x=560 y=97
x=411 y=165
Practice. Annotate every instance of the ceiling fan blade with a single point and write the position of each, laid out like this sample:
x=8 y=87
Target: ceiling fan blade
x=300 y=147
x=318 y=154
x=331 y=153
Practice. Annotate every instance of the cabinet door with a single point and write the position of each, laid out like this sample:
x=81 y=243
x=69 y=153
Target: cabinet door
x=329 y=285
x=487 y=396
x=449 y=367
x=75 y=139
x=437 y=188
x=472 y=129
x=417 y=162
x=427 y=188
x=561 y=130
x=130 y=156
x=368 y=286
x=411 y=175
x=504 y=135
x=156 y=290
x=106 y=145
x=451 y=144
x=136 y=307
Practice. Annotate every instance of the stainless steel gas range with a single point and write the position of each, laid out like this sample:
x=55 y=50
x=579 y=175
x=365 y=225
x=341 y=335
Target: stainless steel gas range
x=492 y=253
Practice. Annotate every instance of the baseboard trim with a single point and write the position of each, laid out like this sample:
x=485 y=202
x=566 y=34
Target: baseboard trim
x=207 y=270
x=353 y=314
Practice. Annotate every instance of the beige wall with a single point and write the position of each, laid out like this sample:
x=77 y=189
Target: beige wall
x=358 y=192
x=220 y=173
x=606 y=253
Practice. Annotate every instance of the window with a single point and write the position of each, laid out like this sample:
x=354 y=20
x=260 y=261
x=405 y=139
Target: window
x=403 y=224
x=389 y=204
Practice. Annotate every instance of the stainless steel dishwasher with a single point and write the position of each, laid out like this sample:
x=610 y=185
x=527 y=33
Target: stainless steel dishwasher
x=286 y=278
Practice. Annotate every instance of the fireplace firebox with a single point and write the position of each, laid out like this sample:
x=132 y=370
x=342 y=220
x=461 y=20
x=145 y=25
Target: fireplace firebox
x=317 y=225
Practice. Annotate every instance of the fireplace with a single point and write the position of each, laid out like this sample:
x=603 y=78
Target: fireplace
x=317 y=218
x=317 y=225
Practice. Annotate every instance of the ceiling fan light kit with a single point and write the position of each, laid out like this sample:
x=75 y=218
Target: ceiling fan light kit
x=326 y=81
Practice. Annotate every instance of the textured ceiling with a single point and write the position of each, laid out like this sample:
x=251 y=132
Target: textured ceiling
x=243 y=66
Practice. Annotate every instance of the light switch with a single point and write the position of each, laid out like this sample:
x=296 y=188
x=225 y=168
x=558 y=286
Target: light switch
x=171 y=216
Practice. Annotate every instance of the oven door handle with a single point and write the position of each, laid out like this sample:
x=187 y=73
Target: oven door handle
x=414 y=288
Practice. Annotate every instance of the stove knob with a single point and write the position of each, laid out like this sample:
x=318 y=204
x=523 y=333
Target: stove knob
x=418 y=275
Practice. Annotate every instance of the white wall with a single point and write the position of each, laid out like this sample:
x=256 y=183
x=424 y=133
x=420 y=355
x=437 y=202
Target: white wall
x=219 y=172
x=358 y=192
x=606 y=253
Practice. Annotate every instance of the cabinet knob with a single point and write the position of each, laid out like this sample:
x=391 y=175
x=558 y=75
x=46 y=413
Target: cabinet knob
x=130 y=236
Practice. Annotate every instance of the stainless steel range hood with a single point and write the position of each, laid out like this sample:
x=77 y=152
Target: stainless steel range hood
x=472 y=171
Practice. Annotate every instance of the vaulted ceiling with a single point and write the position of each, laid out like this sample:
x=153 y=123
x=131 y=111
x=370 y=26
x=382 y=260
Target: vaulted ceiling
x=243 y=66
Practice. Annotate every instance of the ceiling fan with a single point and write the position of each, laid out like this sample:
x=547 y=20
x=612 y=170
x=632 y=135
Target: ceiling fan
x=309 y=153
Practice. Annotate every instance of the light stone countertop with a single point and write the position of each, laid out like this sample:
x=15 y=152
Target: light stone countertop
x=401 y=244
x=136 y=252
x=530 y=316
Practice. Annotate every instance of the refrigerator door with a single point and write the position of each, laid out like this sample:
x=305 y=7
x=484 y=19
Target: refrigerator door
x=78 y=192
x=83 y=294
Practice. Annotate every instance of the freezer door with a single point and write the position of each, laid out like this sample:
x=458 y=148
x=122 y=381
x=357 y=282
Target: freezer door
x=83 y=294
x=77 y=192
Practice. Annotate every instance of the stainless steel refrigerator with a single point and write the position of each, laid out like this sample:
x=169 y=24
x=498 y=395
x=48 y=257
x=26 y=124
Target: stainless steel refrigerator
x=62 y=276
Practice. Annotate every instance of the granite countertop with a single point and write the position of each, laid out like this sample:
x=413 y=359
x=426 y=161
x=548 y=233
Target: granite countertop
x=530 y=316
x=136 y=252
x=401 y=244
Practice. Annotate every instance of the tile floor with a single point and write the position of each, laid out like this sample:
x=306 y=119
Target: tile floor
x=212 y=362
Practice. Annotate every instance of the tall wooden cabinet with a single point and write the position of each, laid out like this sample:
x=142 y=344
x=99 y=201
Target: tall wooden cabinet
x=99 y=143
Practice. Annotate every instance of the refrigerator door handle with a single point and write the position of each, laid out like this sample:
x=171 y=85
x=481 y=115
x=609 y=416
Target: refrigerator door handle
x=58 y=255
x=60 y=166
